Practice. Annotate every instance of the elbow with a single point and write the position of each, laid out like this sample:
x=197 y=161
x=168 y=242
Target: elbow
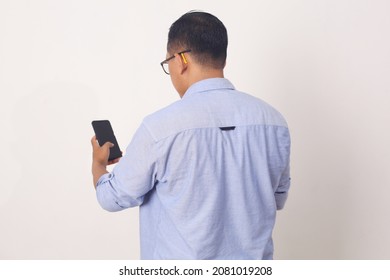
x=280 y=200
x=106 y=199
x=109 y=205
x=114 y=203
x=110 y=209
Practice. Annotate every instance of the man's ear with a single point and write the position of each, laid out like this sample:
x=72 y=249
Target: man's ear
x=184 y=58
x=183 y=62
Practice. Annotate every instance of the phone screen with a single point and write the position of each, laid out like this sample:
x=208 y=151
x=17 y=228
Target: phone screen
x=104 y=133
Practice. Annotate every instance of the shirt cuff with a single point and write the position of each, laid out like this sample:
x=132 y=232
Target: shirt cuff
x=105 y=194
x=104 y=178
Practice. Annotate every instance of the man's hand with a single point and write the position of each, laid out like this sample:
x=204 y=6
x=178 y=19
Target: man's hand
x=100 y=161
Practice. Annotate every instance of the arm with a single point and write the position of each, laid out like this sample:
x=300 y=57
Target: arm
x=134 y=176
x=281 y=193
x=283 y=186
x=100 y=159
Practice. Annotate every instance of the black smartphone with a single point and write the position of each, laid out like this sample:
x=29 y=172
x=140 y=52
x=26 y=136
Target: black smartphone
x=104 y=133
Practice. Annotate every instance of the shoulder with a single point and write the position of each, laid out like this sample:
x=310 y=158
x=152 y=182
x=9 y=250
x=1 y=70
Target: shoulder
x=164 y=121
x=256 y=110
x=218 y=105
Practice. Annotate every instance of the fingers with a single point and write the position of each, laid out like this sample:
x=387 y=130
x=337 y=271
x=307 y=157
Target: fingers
x=113 y=161
x=108 y=145
x=95 y=143
x=93 y=140
x=101 y=154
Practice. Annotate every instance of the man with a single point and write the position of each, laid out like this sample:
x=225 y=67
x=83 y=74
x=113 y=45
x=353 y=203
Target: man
x=208 y=171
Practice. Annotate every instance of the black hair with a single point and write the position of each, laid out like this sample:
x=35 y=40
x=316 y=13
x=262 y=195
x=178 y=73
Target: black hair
x=202 y=33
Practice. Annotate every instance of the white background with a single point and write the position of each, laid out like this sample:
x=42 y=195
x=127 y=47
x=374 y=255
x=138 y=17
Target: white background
x=324 y=64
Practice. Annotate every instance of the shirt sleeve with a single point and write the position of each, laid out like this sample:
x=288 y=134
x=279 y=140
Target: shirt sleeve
x=283 y=187
x=132 y=177
x=281 y=192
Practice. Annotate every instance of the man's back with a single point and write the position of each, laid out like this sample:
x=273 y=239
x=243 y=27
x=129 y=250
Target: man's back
x=218 y=166
x=208 y=171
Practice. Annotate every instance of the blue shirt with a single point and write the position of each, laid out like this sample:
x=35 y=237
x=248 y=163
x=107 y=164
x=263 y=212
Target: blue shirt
x=208 y=172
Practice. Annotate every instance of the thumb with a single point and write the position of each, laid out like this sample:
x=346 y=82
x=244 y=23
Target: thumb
x=108 y=145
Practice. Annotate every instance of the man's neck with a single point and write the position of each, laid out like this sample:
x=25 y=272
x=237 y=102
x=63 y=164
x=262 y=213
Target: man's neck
x=198 y=74
x=205 y=73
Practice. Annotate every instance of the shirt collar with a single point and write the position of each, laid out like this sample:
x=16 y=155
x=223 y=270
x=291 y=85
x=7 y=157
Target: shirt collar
x=208 y=85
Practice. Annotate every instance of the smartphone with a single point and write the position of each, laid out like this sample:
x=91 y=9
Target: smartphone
x=104 y=133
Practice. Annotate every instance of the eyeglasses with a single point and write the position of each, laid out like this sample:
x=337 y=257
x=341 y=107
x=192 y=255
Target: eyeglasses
x=164 y=64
